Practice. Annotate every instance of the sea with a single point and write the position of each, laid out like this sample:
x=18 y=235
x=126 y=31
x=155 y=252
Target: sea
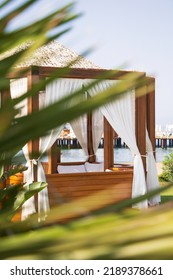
x=121 y=155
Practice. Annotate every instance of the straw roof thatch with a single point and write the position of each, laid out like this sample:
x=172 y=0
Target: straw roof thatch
x=51 y=55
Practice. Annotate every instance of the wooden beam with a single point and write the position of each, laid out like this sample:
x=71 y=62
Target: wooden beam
x=140 y=119
x=108 y=145
x=78 y=73
x=87 y=73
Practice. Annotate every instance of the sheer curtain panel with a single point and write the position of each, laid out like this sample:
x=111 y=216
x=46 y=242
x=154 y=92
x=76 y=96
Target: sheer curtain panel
x=121 y=115
x=18 y=87
x=152 y=175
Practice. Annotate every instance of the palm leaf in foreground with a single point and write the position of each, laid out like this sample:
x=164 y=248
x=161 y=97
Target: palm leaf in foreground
x=129 y=235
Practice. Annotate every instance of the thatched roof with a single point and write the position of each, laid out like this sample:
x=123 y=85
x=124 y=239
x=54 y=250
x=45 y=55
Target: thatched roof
x=52 y=55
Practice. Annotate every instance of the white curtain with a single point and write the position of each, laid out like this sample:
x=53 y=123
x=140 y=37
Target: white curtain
x=79 y=127
x=121 y=115
x=28 y=207
x=51 y=95
x=54 y=92
x=64 y=87
x=18 y=87
x=97 y=128
x=152 y=176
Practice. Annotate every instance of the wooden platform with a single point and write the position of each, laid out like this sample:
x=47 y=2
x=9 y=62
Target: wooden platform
x=92 y=191
x=63 y=188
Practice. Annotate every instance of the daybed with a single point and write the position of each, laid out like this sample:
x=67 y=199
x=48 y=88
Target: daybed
x=76 y=181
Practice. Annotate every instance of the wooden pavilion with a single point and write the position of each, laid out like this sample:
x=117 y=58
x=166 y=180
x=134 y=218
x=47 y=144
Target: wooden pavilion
x=66 y=187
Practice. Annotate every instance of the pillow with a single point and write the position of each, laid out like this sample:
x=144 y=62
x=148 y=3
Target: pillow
x=71 y=168
x=94 y=167
x=108 y=170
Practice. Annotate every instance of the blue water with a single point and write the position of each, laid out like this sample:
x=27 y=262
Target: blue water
x=121 y=155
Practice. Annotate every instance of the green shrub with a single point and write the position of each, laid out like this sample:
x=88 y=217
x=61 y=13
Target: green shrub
x=13 y=196
x=167 y=174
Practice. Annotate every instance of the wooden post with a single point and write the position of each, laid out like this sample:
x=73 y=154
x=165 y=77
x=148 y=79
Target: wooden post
x=33 y=105
x=5 y=97
x=92 y=157
x=151 y=111
x=54 y=156
x=141 y=125
x=108 y=145
x=5 y=94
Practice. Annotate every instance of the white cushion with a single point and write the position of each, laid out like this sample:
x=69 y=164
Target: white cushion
x=108 y=170
x=71 y=168
x=94 y=167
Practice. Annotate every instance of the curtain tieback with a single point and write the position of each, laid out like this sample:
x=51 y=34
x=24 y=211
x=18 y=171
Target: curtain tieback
x=35 y=161
x=141 y=155
x=91 y=155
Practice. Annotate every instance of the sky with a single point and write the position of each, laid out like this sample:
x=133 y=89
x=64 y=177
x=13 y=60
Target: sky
x=124 y=34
